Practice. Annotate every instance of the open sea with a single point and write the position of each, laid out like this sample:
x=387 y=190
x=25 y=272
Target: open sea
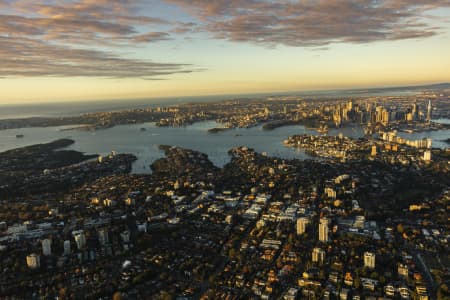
x=68 y=108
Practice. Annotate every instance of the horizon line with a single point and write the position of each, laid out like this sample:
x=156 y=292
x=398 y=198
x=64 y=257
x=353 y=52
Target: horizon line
x=275 y=93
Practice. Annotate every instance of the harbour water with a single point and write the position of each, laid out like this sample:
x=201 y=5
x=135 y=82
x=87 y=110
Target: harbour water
x=144 y=143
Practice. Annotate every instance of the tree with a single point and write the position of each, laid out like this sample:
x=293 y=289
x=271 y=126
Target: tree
x=374 y=275
x=357 y=282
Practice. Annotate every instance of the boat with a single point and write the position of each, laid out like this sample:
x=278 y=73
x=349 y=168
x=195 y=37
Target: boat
x=143 y=129
x=19 y=136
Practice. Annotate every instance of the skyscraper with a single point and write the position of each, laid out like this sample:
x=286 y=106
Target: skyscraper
x=415 y=111
x=429 y=111
x=385 y=117
x=323 y=230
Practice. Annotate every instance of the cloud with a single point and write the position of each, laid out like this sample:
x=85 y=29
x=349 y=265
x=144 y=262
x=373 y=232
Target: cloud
x=313 y=22
x=37 y=58
x=152 y=37
x=90 y=37
x=79 y=38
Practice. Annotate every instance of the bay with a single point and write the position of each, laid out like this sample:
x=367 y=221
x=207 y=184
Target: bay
x=143 y=140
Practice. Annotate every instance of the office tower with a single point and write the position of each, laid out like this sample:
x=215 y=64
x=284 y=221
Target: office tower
x=379 y=114
x=385 y=117
x=415 y=111
x=429 y=111
x=318 y=255
x=323 y=230
x=369 y=260
x=46 y=247
x=33 y=261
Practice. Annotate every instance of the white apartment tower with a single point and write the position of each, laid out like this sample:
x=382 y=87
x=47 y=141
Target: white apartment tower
x=301 y=225
x=369 y=260
x=323 y=230
x=318 y=255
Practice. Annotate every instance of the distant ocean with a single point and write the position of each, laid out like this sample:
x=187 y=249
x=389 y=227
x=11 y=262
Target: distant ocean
x=61 y=109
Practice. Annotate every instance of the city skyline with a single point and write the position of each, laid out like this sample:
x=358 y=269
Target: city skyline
x=91 y=50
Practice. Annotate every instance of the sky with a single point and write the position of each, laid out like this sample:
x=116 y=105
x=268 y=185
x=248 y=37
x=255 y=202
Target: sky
x=66 y=50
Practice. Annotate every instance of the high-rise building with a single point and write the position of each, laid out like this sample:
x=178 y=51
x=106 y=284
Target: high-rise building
x=369 y=260
x=415 y=112
x=301 y=225
x=33 y=261
x=429 y=111
x=46 y=247
x=80 y=238
x=318 y=255
x=323 y=230
x=385 y=117
x=66 y=247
